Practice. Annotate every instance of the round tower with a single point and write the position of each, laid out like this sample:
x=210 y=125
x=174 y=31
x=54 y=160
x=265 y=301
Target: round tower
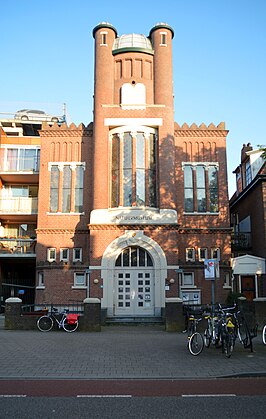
x=161 y=36
x=104 y=35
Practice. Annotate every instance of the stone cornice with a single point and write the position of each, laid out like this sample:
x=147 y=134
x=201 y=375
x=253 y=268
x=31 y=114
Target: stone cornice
x=123 y=227
x=60 y=231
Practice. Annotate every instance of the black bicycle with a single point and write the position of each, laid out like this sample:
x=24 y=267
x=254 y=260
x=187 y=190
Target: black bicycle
x=69 y=322
x=195 y=339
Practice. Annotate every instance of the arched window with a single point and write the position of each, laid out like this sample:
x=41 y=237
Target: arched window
x=134 y=257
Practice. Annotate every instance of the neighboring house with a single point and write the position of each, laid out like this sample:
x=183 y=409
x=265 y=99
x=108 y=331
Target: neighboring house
x=248 y=218
x=131 y=206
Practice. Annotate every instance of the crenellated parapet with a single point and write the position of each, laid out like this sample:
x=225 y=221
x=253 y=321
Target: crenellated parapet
x=201 y=130
x=63 y=130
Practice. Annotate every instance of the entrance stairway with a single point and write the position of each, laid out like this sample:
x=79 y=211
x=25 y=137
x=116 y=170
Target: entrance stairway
x=137 y=320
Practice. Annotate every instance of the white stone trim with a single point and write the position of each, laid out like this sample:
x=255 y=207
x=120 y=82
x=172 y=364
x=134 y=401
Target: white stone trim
x=133 y=238
x=154 y=122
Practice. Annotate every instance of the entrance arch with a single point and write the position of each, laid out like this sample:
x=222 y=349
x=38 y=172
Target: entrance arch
x=157 y=273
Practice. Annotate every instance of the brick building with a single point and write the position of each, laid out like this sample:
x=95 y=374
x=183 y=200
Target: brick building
x=248 y=218
x=130 y=206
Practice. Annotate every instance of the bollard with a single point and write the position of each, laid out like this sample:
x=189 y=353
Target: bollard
x=91 y=320
x=174 y=318
x=13 y=313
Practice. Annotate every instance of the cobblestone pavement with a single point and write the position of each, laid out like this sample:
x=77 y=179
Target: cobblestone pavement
x=120 y=352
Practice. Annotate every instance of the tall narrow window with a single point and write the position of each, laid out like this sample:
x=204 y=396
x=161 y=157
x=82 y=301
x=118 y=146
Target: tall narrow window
x=152 y=171
x=127 y=170
x=67 y=175
x=201 y=191
x=213 y=188
x=140 y=169
x=115 y=170
x=79 y=189
x=188 y=190
x=54 y=186
x=133 y=177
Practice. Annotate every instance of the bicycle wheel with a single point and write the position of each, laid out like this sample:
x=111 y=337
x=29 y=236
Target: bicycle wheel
x=264 y=335
x=229 y=344
x=195 y=344
x=207 y=337
x=70 y=327
x=45 y=323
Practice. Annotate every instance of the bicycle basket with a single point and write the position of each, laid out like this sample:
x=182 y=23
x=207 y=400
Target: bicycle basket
x=72 y=318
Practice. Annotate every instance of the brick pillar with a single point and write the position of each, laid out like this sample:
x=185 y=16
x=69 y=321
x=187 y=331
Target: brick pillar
x=91 y=321
x=174 y=318
x=12 y=313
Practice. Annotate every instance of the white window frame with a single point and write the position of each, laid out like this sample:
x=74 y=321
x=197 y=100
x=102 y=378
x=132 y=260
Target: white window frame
x=40 y=280
x=185 y=285
x=103 y=38
x=190 y=259
x=50 y=250
x=163 y=37
x=80 y=285
x=62 y=258
x=215 y=249
x=77 y=259
x=227 y=280
x=205 y=250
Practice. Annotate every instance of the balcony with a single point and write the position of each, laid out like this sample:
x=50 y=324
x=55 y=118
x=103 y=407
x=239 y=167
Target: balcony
x=18 y=205
x=15 y=246
x=241 y=241
x=23 y=170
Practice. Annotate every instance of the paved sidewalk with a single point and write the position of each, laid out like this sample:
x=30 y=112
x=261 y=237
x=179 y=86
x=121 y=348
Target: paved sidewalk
x=119 y=352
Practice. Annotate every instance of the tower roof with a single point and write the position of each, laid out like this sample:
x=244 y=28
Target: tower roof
x=132 y=42
x=162 y=25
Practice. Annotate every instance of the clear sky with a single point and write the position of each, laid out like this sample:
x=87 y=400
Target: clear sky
x=219 y=59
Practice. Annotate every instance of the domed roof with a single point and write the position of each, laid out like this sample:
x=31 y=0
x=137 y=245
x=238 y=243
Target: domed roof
x=132 y=42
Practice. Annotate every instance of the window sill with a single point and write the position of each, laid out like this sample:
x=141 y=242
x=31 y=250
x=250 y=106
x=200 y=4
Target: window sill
x=201 y=213
x=185 y=287
x=65 y=213
x=79 y=287
x=40 y=287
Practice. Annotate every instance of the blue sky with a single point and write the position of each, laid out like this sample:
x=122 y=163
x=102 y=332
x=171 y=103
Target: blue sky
x=219 y=59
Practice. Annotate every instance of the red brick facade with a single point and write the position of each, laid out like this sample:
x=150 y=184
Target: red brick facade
x=102 y=230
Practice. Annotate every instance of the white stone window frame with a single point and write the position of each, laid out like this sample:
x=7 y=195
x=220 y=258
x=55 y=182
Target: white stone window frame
x=103 y=39
x=163 y=37
x=40 y=280
x=218 y=250
x=186 y=285
x=50 y=250
x=77 y=284
x=77 y=259
x=205 y=250
x=62 y=257
x=188 y=258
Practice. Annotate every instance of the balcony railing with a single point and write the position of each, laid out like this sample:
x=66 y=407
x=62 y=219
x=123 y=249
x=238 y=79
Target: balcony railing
x=16 y=245
x=241 y=241
x=18 y=205
x=25 y=164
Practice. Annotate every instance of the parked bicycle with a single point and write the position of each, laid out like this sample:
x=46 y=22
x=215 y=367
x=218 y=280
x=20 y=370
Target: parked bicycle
x=211 y=333
x=264 y=335
x=195 y=339
x=69 y=322
x=227 y=330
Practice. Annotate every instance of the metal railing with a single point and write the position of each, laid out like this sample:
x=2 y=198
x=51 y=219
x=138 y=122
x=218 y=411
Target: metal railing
x=17 y=245
x=15 y=205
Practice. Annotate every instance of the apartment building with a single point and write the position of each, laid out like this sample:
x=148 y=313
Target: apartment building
x=248 y=218
x=131 y=206
x=19 y=180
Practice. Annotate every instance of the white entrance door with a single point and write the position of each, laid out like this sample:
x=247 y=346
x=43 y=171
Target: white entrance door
x=134 y=292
